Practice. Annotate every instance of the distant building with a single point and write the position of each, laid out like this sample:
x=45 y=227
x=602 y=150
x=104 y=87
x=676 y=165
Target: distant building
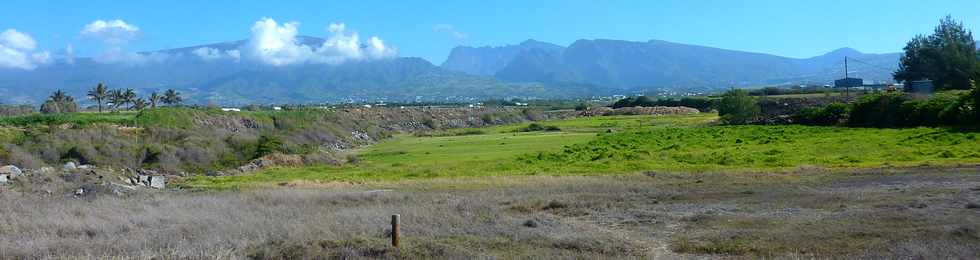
x=848 y=83
x=230 y=109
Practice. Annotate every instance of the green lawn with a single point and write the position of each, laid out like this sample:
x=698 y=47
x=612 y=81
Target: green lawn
x=608 y=145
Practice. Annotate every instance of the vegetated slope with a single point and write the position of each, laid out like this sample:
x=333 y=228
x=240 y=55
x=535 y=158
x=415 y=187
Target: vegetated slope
x=662 y=64
x=176 y=140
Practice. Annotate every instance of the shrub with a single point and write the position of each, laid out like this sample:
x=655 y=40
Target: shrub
x=878 y=110
x=737 y=107
x=268 y=144
x=701 y=104
x=833 y=114
x=535 y=127
x=939 y=110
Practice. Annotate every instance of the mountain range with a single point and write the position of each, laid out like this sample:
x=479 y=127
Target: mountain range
x=531 y=69
x=661 y=64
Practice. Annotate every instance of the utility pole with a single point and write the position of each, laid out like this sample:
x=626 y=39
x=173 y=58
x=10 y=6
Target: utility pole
x=847 y=82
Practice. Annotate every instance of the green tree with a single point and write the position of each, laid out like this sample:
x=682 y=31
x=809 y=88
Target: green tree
x=138 y=104
x=117 y=98
x=129 y=97
x=154 y=99
x=172 y=97
x=99 y=93
x=948 y=57
x=737 y=107
x=59 y=102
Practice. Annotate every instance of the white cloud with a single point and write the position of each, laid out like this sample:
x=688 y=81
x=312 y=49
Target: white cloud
x=234 y=54
x=70 y=54
x=115 y=35
x=17 y=40
x=206 y=53
x=277 y=45
x=17 y=51
x=113 y=32
x=210 y=54
x=451 y=30
x=117 y=55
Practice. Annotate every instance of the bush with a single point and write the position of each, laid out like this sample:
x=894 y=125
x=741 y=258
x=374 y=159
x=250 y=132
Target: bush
x=535 y=127
x=941 y=109
x=737 y=107
x=878 y=110
x=832 y=114
x=51 y=107
x=268 y=144
x=701 y=104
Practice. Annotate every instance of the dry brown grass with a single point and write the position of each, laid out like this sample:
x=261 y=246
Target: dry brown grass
x=903 y=214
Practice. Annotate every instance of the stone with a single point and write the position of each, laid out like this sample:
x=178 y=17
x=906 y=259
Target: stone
x=143 y=180
x=46 y=169
x=158 y=182
x=11 y=170
x=69 y=166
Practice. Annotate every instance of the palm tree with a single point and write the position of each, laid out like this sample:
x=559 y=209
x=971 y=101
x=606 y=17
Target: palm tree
x=129 y=97
x=154 y=99
x=139 y=104
x=116 y=98
x=172 y=97
x=59 y=102
x=99 y=93
x=60 y=96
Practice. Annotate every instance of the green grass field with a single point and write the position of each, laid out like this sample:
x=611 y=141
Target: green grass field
x=609 y=145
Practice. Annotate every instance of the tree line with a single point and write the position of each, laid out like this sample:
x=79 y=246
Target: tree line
x=948 y=57
x=112 y=99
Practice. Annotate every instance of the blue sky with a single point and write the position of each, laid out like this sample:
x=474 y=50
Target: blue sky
x=430 y=29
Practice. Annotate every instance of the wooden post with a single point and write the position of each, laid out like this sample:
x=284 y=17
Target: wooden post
x=395 y=230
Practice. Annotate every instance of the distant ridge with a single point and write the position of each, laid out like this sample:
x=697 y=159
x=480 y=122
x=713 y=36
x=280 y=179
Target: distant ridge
x=656 y=63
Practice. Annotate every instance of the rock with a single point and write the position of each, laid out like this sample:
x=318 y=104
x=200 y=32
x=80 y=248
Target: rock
x=69 y=166
x=85 y=167
x=120 y=189
x=143 y=180
x=158 y=182
x=45 y=170
x=11 y=170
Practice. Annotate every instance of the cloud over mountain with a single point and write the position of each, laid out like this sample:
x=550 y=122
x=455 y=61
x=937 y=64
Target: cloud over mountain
x=113 y=32
x=115 y=35
x=277 y=45
x=17 y=51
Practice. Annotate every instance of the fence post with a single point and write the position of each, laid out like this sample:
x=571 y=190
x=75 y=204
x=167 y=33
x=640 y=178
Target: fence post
x=395 y=230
